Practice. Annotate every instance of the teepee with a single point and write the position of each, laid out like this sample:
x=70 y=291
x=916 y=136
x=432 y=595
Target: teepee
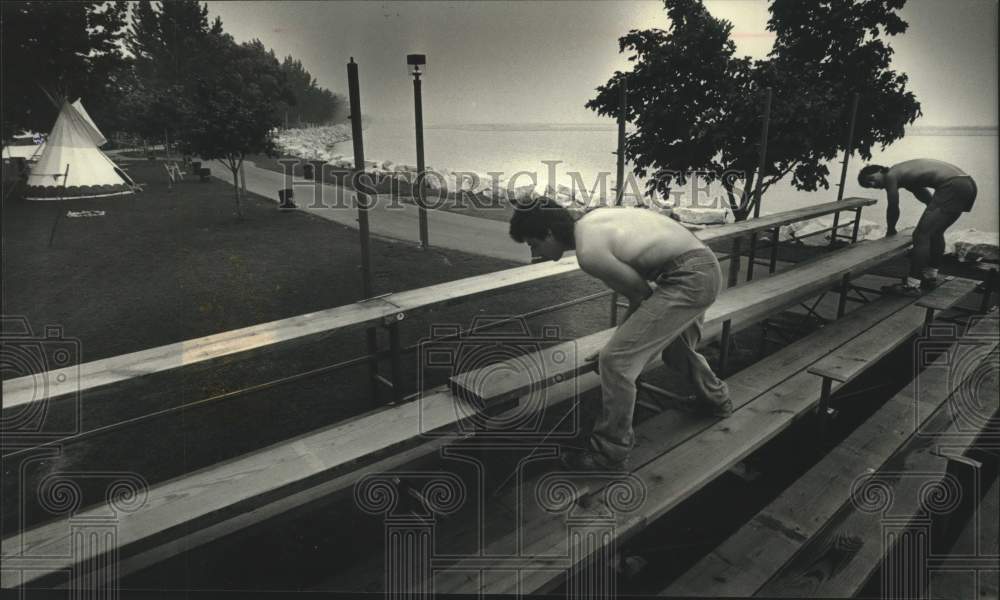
x=72 y=165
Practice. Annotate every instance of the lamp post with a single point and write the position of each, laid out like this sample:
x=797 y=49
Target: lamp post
x=417 y=67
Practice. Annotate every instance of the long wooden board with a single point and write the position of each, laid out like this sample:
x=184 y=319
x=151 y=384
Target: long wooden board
x=668 y=480
x=747 y=559
x=654 y=436
x=742 y=306
x=851 y=360
x=75 y=379
x=844 y=573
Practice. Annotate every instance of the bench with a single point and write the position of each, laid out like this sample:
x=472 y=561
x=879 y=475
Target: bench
x=761 y=557
x=367 y=313
x=735 y=308
x=655 y=435
x=672 y=463
x=246 y=483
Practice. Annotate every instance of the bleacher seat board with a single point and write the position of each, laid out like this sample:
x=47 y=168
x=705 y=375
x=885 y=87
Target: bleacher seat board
x=705 y=451
x=742 y=564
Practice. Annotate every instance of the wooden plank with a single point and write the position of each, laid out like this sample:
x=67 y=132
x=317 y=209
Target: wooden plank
x=653 y=436
x=742 y=228
x=852 y=359
x=78 y=378
x=745 y=561
x=667 y=430
x=951 y=292
x=245 y=490
x=86 y=376
x=972 y=567
x=844 y=573
x=668 y=479
x=742 y=306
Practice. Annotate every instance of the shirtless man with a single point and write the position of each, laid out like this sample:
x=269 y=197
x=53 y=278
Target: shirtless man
x=626 y=248
x=954 y=193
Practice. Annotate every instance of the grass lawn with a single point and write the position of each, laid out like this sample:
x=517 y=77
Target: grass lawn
x=164 y=266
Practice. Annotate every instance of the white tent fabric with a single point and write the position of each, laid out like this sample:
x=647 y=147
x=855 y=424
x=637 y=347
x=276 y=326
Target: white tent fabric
x=99 y=138
x=25 y=151
x=72 y=166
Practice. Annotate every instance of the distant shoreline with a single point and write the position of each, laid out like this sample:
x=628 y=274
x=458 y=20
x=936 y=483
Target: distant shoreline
x=503 y=127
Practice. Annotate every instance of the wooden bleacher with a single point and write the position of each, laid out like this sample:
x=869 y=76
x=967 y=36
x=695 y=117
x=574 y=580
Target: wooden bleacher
x=676 y=456
x=740 y=306
x=239 y=492
x=286 y=332
x=816 y=516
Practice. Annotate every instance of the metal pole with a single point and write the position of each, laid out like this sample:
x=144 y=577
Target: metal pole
x=622 y=109
x=418 y=111
x=760 y=176
x=362 y=202
x=620 y=171
x=848 y=150
x=763 y=152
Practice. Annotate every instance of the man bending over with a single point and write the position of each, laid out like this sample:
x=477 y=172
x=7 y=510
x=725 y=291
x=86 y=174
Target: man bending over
x=954 y=193
x=626 y=248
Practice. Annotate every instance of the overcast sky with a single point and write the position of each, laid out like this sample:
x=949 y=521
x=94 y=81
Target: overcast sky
x=539 y=62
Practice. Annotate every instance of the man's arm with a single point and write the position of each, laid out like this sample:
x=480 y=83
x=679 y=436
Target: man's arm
x=618 y=276
x=892 y=204
x=922 y=195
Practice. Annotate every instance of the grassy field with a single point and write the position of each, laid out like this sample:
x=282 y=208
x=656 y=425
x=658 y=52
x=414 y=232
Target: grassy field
x=167 y=265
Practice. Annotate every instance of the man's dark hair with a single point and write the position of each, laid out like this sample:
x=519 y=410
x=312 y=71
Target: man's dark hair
x=869 y=170
x=537 y=218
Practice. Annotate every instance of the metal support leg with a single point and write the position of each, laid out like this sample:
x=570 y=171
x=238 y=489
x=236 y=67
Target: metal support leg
x=857 y=223
x=824 y=412
x=372 y=340
x=833 y=232
x=724 y=348
x=734 y=264
x=397 y=362
x=774 y=250
x=845 y=287
x=753 y=256
x=966 y=472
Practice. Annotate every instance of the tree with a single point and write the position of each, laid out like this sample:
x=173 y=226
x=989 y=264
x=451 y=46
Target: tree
x=313 y=104
x=696 y=106
x=233 y=111
x=171 y=45
x=59 y=49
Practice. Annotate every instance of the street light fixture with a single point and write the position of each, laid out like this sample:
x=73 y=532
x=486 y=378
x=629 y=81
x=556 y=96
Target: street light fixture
x=417 y=65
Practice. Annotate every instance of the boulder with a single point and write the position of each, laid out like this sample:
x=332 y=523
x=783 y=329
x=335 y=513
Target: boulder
x=703 y=216
x=798 y=232
x=972 y=245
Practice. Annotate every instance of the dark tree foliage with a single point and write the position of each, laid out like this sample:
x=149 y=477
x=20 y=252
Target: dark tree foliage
x=58 y=50
x=171 y=44
x=696 y=106
x=232 y=111
x=313 y=105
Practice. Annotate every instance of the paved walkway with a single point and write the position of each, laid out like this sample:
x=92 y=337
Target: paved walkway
x=445 y=230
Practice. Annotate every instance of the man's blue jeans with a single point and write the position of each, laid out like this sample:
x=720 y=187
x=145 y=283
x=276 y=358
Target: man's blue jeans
x=669 y=321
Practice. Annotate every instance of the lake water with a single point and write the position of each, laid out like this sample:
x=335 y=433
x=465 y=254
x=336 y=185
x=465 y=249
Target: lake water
x=589 y=151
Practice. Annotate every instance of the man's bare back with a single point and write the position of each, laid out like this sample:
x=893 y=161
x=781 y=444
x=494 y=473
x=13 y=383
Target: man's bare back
x=642 y=239
x=923 y=173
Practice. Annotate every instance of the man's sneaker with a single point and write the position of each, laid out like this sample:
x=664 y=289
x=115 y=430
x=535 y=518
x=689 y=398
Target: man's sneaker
x=588 y=460
x=899 y=289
